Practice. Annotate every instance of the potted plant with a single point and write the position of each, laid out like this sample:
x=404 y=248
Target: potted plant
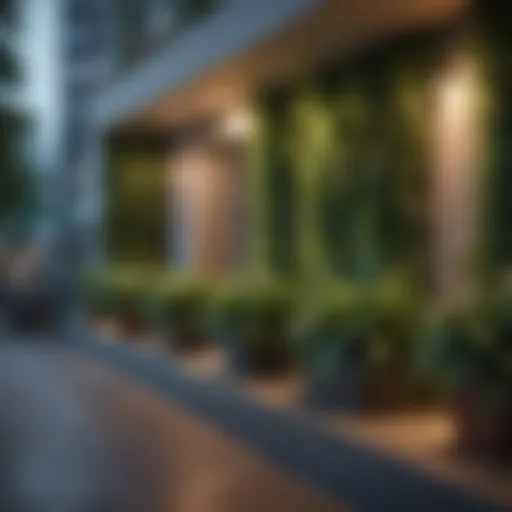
x=473 y=359
x=252 y=320
x=355 y=346
x=129 y=292
x=120 y=295
x=179 y=308
x=97 y=296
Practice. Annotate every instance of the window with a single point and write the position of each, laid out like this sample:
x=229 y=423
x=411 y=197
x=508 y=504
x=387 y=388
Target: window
x=162 y=17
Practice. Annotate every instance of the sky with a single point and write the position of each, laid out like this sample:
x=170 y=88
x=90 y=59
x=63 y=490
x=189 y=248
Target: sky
x=40 y=46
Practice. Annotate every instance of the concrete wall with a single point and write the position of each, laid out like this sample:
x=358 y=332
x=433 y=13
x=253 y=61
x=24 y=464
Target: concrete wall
x=203 y=215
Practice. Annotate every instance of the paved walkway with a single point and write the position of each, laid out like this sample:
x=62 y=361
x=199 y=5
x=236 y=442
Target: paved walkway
x=76 y=438
x=346 y=469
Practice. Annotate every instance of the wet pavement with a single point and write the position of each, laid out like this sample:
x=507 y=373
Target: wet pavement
x=74 y=436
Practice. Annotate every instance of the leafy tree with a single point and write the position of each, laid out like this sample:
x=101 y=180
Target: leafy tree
x=15 y=192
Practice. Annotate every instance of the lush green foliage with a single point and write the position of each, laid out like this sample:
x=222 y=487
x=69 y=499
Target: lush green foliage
x=280 y=187
x=471 y=347
x=180 y=305
x=16 y=193
x=7 y=10
x=136 y=217
x=370 y=327
x=494 y=45
x=349 y=154
x=121 y=292
x=253 y=314
x=377 y=327
x=96 y=292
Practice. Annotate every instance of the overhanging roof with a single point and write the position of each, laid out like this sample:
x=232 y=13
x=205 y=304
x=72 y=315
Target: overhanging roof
x=221 y=62
x=228 y=32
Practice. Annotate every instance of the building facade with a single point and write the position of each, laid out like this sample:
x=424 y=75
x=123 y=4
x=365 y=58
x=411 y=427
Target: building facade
x=302 y=136
x=86 y=68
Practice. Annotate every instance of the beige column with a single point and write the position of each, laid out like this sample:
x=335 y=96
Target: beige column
x=456 y=162
x=202 y=210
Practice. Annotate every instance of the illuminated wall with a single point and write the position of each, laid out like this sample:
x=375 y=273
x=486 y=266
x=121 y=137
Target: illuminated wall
x=457 y=168
x=136 y=209
x=203 y=194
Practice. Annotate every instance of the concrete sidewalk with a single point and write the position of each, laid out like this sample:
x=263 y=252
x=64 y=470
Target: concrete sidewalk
x=76 y=437
x=347 y=471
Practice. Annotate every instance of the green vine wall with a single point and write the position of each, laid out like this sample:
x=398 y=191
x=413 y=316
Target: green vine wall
x=351 y=145
x=494 y=38
x=136 y=207
x=339 y=167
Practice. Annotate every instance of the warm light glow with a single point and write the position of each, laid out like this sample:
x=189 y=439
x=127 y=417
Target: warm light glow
x=456 y=155
x=456 y=88
x=455 y=93
x=237 y=125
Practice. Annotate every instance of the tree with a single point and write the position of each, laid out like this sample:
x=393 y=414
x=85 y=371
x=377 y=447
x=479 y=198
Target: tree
x=15 y=191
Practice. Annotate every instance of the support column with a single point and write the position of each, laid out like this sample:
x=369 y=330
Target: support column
x=457 y=160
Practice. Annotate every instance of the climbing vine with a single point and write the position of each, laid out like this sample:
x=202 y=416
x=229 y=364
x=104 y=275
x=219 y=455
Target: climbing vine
x=136 y=220
x=351 y=147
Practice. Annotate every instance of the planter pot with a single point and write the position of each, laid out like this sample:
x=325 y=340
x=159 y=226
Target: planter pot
x=482 y=431
x=254 y=361
x=184 y=341
x=32 y=311
x=105 y=325
x=354 y=390
x=98 y=321
x=131 y=326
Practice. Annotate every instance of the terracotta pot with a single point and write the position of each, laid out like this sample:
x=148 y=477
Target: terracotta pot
x=247 y=360
x=185 y=340
x=481 y=430
x=131 y=325
x=355 y=390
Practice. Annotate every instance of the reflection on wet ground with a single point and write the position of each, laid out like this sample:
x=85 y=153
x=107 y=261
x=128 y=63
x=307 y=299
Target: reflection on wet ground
x=75 y=437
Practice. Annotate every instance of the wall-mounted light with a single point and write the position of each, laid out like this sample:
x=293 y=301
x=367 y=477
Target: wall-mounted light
x=457 y=139
x=237 y=125
x=456 y=88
